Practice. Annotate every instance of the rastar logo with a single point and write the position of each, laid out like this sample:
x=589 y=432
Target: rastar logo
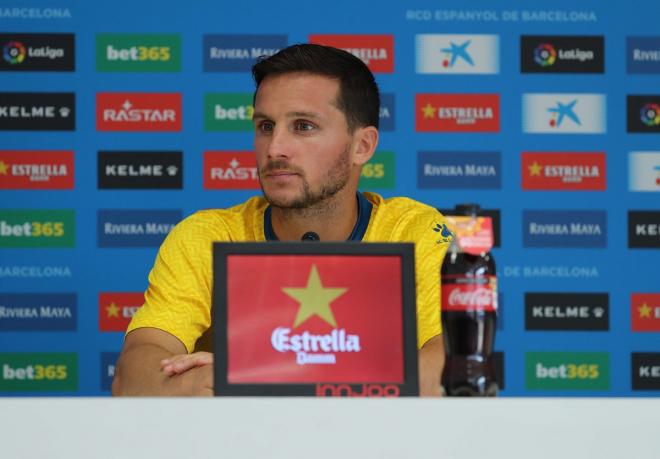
x=457 y=112
x=138 y=53
x=457 y=54
x=566 y=370
x=117 y=309
x=36 y=170
x=377 y=51
x=230 y=170
x=563 y=171
x=23 y=372
x=228 y=112
x=37 y=52
x=645 y=312
x=138 y=111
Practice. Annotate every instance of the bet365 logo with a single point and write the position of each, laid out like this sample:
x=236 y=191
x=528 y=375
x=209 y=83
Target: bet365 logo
x=378 y=173
x=138 y=53
x=37 y=228
x=26 y=372
x=567 y=370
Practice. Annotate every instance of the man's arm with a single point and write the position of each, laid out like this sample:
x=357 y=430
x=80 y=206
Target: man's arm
x=431 y=363
x=138 y=370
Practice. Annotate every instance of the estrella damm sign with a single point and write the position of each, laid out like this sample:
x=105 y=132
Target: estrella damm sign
x=567 y=370
x=379 y=172
x=228 y=112
x=138 y=53
x=37 y=228
x=39 y=372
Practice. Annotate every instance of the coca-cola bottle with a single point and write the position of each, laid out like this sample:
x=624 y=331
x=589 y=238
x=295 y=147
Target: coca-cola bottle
x=469 y=305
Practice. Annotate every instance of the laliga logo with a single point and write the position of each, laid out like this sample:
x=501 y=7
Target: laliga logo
x=14 y=52
x=650 y=114
x=545 y=55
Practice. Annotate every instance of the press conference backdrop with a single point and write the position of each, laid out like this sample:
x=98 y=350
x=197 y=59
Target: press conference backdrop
x=118 y=119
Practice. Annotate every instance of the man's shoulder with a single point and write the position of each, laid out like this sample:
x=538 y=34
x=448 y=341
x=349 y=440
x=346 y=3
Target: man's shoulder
x=399 y=206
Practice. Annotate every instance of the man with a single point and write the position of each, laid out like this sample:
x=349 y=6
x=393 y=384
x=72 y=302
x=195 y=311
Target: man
x=316 y=124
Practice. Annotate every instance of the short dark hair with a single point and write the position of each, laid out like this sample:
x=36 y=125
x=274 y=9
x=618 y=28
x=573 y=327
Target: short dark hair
x=358 y=92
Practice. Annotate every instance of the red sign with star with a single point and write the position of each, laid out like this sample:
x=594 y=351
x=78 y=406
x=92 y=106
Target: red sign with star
x=320 y=318
x=117 y=309
x=563 y=171
x=457 y=112
x=645 y=311
x=36 y=170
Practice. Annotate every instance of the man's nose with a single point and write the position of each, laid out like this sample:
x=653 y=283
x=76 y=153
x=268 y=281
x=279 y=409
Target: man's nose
x=278 y=144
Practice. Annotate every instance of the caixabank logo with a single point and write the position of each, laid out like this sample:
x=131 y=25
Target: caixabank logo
x=116 y=309
x=567 y=311
x=569 y=171
x=53 y=52
x=644 y=229
x=562 y=54
x=230 y=170
x=108 y=362
x=644 y=171
x=238 y=53
x=36 y=170
x=380 y=172
x=567 y=371
x=643 y=54
x=645 y=368
x=138 y=111
x=377 y=51
x=644 y=114
x=565 y=228
x=228 y=112
x=38 y=372
x=37 y=111
x=38 y=312
x=457 y=112
x=645 y=312
x=138 y=53
x=387 y=113
x=31 y=228
x=135 y=227
x=459 y=170
x=564 y=113
x=446 y=54
x=140 y=170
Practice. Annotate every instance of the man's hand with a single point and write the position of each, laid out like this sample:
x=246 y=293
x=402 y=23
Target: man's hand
x=181 y=363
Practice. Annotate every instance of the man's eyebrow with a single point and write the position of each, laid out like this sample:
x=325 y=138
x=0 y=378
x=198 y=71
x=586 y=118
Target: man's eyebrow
x=260 y=115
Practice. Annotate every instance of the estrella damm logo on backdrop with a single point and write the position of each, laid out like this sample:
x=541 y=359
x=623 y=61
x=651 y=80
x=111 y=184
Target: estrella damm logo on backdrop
x=140 y=170
x=457 y=112
x=457 y=54
x=551 y=171
x=138 y=111
x=562 y=54
x=38 y=372
x=376 y=51
x=463 y=169
x=379 y=172
x=116 y=309
x=38 y=312
x=644 y=229
x=228 y=112
x=135 y=227
x=643 y=54
x=644 y=114
x=644 y=171
x=564 y=113
x=645 y=312
x=36 y=170
x=567 y=311
x=238 y=53
x=138 y=53
x=37 y=52
x=565 y=228
x=233 y=170
x=37 y=111
x=645 y=370
x=108 y=361
x=387 y=114
x=28 y=228
x=567 y=371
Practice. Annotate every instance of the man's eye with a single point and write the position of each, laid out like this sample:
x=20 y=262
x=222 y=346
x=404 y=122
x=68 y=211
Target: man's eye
x=266 y=126
x=304 y=126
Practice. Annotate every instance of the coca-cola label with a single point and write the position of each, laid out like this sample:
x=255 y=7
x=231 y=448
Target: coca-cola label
x=474 y=235
x=466 y=293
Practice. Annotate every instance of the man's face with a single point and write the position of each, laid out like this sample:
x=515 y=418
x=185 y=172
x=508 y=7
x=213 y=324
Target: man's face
x=301 y=140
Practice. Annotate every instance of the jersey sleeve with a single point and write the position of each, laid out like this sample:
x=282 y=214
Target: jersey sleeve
x=178 y=298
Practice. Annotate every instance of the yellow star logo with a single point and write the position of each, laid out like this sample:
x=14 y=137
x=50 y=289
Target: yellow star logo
x=113 y=310
x=3 y=168
x=535 y=169
x=644 y=311
x=429 y=110
x=314 y=299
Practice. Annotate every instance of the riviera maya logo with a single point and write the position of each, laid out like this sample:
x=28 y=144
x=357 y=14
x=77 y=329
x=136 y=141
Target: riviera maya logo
x=562 y=111
x=650 y=114
x=14 y=52
x=545 y=55
x=454 y=52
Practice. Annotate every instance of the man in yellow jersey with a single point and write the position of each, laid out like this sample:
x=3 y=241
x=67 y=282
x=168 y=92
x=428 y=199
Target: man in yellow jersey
x=316 y=124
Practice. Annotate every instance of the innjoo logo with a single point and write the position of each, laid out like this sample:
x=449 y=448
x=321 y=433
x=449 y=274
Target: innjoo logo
x=377 y=51
x=138 y=111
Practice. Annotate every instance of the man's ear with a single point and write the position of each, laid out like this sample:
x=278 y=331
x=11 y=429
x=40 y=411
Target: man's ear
x=366 y=141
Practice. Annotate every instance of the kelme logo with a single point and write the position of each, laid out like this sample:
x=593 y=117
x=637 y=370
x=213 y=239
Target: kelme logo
x=567 y=370
x=379 y=172
x=138 y=53
x=37 y=228
x=228 y=112
x=38 y=372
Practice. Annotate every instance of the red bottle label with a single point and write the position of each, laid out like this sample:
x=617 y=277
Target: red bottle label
x=468 y=293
